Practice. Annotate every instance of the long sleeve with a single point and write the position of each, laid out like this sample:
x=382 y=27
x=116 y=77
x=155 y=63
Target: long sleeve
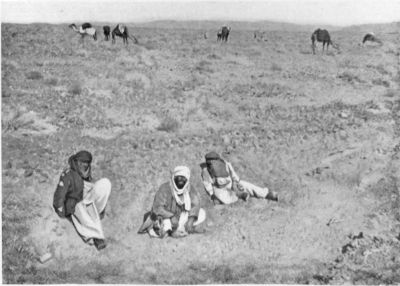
x=232 y=172
x=195 y=202
x=207 y=181
x=161 y=203
x=60 y=193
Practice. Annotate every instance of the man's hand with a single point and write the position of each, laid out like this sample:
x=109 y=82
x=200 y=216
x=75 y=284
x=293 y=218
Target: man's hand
x=189 y=225
x=175 y=221
x=240 y=187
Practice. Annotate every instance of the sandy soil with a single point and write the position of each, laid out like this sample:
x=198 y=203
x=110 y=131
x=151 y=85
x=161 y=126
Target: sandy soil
x=322 y=130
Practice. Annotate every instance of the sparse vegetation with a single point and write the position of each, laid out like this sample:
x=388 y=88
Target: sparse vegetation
x=169 y=124
x=75 y=88
x=321 y=130
x=275 y=67
x=390 y=93
x=52 y=81
x=380 y=81
x=34 y=75
x=349 y=77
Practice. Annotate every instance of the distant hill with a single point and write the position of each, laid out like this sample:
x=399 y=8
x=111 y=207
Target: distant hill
x=262 y=25
x=376 y=28
x=393 y=27
x=237 y=25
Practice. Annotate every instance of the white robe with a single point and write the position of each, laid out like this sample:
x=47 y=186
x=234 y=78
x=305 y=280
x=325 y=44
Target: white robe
x=86 y=217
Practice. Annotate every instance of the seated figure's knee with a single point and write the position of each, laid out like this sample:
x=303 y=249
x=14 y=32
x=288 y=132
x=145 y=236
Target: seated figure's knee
x=202 y=216
x=103 y=186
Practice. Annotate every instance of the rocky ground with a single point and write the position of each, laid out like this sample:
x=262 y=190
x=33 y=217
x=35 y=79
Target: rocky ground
x=322 y=130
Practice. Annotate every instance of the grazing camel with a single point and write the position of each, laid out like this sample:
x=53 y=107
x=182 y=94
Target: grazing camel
x=106 y=31
x=122 y=31
x=85 y=29
x=372 y=38
x=324 y=37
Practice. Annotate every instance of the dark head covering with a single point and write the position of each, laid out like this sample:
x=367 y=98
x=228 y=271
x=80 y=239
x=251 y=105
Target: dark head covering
x=81 y=156
x=212 y=156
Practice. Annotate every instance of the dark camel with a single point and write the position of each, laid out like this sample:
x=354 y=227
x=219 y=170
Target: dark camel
x=107 y=31
x=324 y=37
x=225 y=33
x=122 y=31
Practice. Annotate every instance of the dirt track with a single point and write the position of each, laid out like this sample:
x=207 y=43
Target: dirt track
x=321 y=130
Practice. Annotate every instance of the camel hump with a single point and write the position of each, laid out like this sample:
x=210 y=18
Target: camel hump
x=86 y=26
x=121 y=28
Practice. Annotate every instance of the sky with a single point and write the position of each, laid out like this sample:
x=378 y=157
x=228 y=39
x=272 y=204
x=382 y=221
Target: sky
x=333 y=12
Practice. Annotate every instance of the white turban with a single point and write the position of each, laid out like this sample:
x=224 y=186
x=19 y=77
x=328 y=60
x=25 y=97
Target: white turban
x=181 y=171
x=185 y=172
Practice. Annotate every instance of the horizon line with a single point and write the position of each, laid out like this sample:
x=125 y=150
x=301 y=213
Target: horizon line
x=207 y=20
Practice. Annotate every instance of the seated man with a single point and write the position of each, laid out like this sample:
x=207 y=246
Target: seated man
x=81 y=201
x=219 y=178
x=176 y=208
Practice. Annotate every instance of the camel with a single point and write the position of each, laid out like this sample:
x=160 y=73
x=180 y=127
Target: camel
x=106 y=31
x=122 y=31
x=85 y=29
x=223 y=33
x=324 y=37
x=372 y=38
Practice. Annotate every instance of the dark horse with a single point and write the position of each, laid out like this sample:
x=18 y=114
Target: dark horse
x=107 y=31
x=122 y=31
x=321 y=36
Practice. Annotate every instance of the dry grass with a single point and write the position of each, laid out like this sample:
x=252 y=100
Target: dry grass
x=34 y=75
x=169 y=124
x=75 y=88
x=143 y=109
x=51 y=81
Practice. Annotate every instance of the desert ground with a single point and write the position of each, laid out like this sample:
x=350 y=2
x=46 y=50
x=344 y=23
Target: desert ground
x=322 y=130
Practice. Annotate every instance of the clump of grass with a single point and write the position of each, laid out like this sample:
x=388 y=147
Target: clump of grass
x=169 y=124
x=389 y=93
x=213 y=57
x=380 y=81
x=349 y=77
x=381 y=69
x=51 y=81
x=75 y=88
x=271 y=90
x=34 y=75
x=204 y=66
x=275 y=67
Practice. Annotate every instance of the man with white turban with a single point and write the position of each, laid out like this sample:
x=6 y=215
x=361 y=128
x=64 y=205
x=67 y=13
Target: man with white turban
x=176 y=208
